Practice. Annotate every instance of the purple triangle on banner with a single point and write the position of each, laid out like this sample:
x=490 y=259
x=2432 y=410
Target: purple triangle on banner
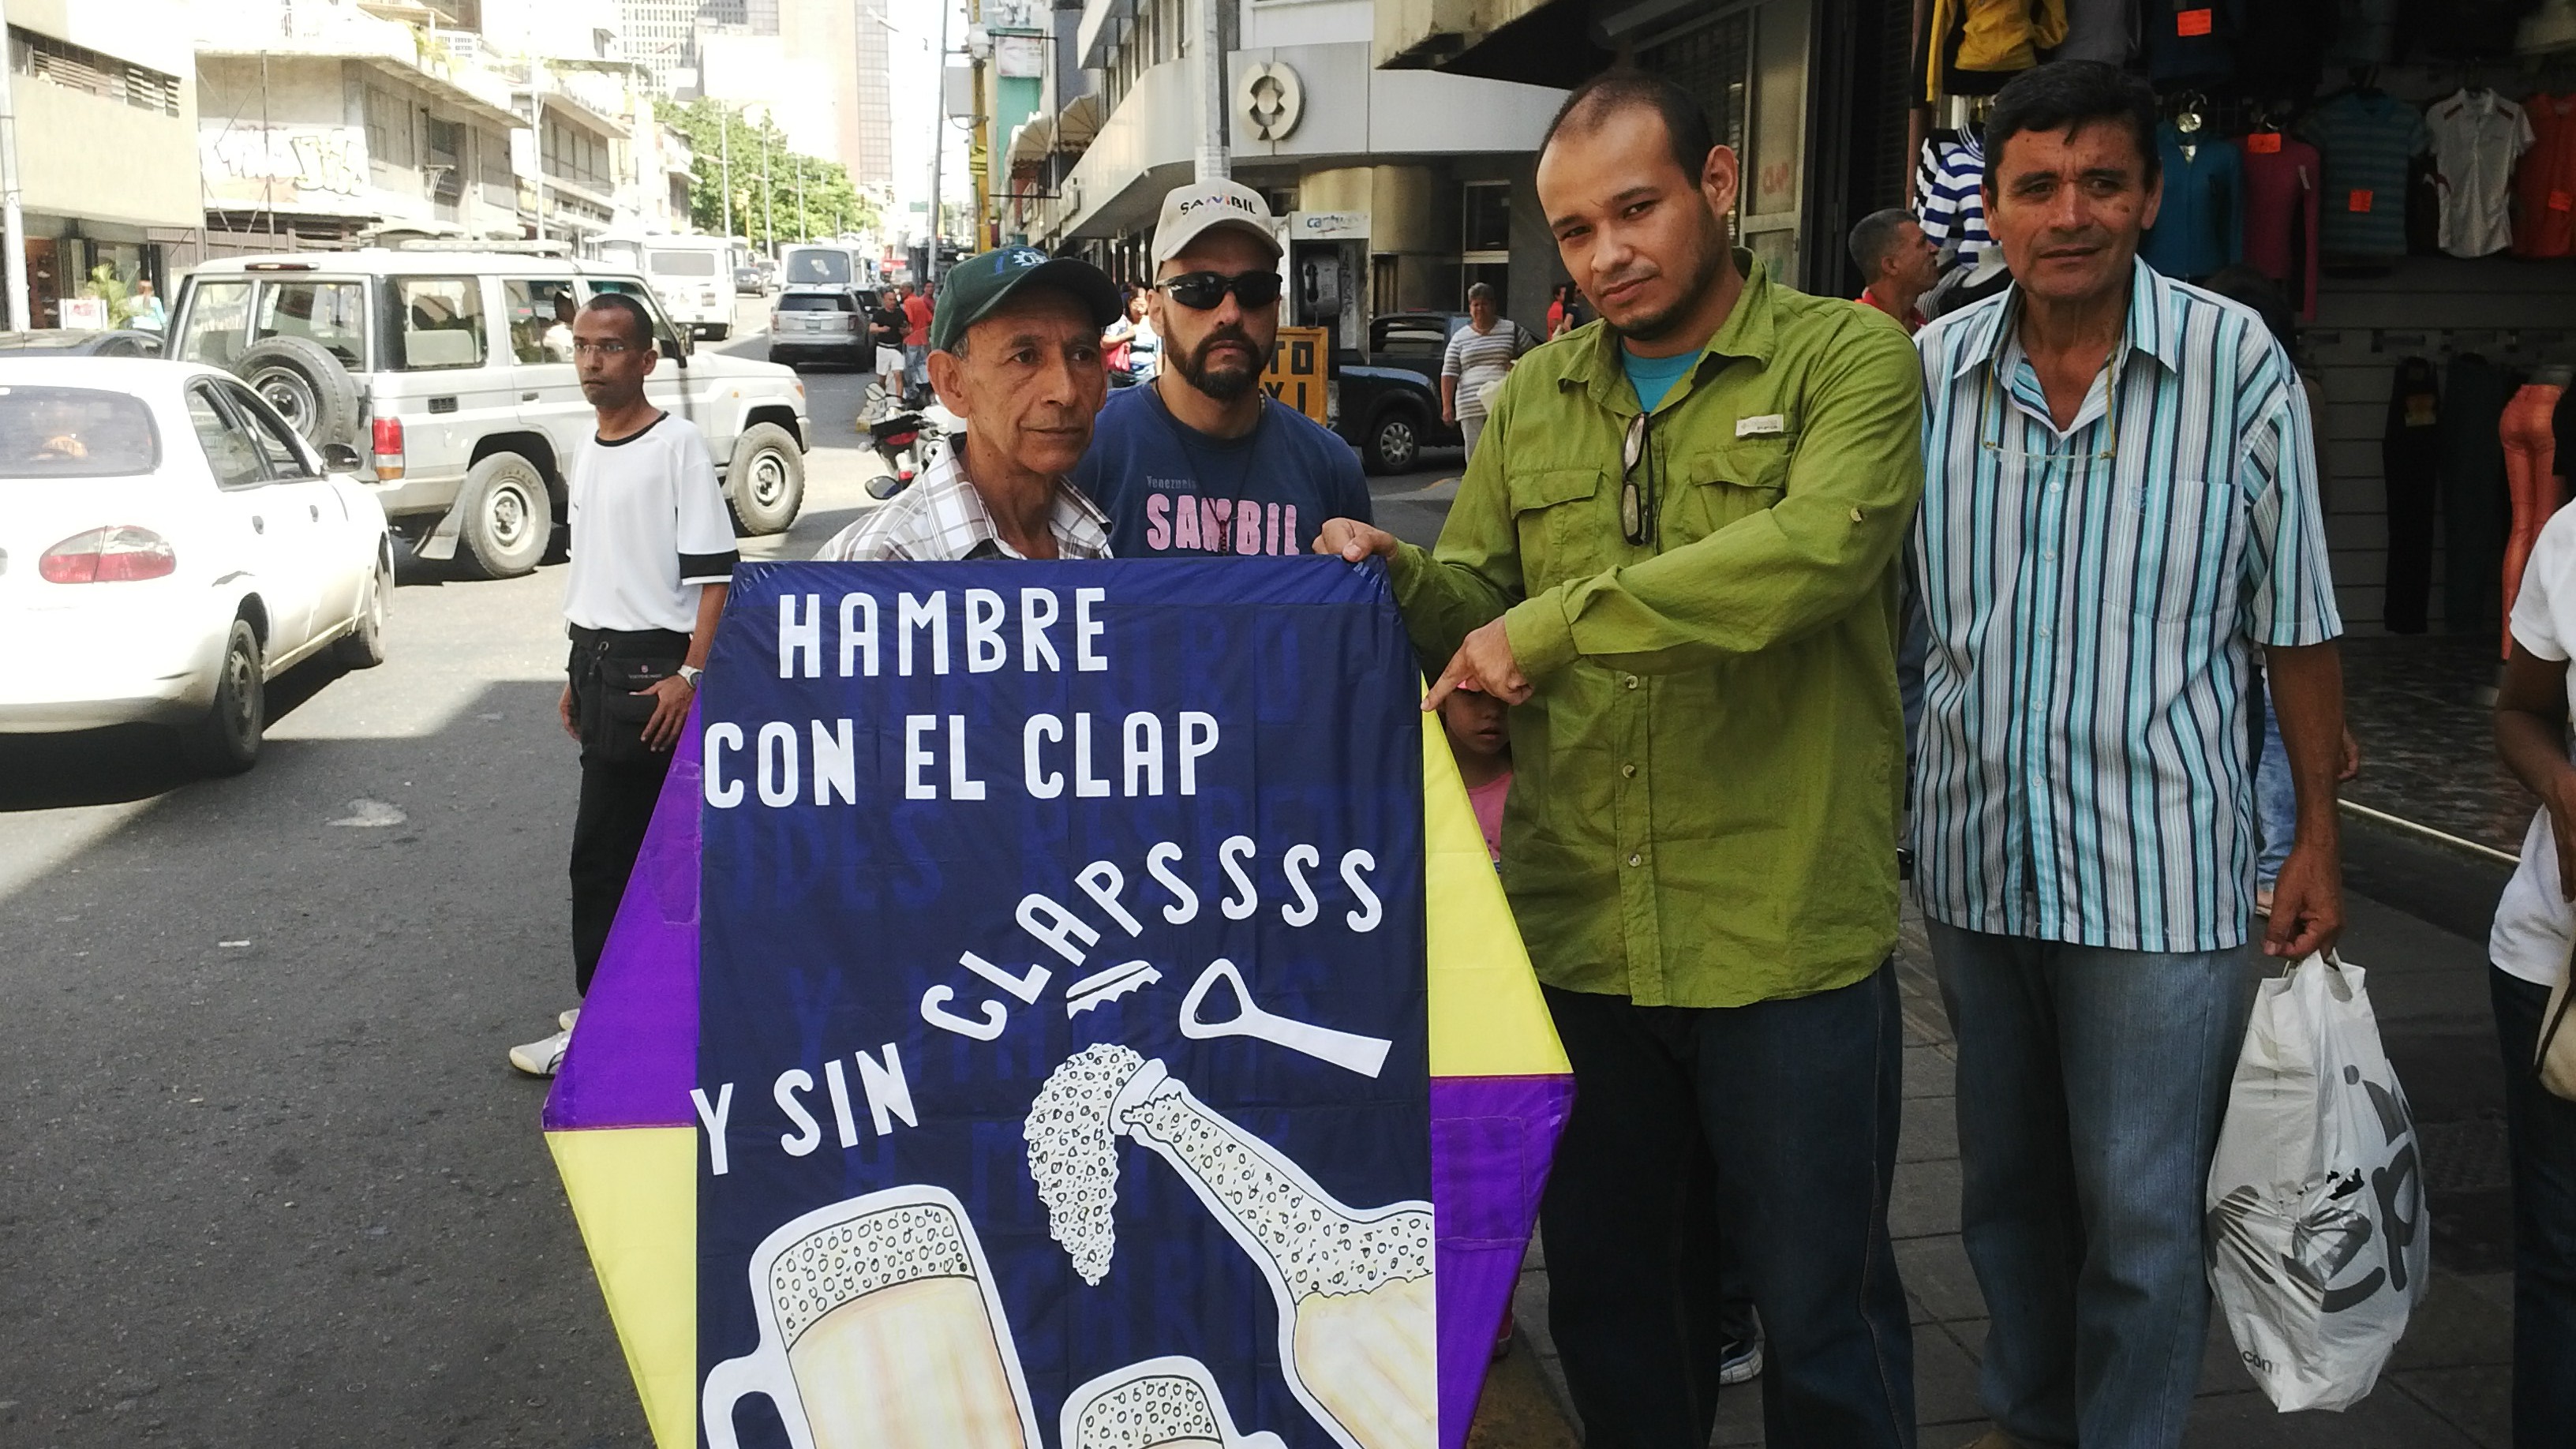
x=1491 y=1140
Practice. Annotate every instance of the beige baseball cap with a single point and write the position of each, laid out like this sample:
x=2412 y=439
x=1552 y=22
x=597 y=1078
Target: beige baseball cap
x=1203 y=205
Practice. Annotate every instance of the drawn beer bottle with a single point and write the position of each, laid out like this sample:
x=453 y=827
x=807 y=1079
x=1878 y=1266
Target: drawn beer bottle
x=1354 y=1287
x=879 y=1327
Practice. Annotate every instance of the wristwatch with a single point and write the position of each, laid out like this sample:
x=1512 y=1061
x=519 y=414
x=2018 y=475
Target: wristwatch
x=689 y=674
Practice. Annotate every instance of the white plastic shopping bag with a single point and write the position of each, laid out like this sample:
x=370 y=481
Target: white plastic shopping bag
x=2317 y=1237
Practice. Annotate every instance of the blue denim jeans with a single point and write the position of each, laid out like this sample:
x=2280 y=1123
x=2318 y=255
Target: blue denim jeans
x=1759 y=1137
x=2090 y=1086
x=2540 y=1133
x=2276 y=799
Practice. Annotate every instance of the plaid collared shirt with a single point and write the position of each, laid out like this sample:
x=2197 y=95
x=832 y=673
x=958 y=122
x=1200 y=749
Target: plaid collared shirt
x=941 y=517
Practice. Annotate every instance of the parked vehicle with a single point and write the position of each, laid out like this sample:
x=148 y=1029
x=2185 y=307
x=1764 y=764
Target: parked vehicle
x=825 y=264
x=168 y=545
x=747 y=281
x=905 y=438
x=83 y=342
x=1386 y=401
x=821 y=324
x=451 y=371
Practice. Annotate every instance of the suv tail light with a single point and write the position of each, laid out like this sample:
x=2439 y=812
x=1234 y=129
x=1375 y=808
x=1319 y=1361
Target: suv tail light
x=119 y=553
x=388 y=448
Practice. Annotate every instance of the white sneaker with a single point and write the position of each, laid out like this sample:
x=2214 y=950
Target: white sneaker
x=541 y=1057
x=568 y=1018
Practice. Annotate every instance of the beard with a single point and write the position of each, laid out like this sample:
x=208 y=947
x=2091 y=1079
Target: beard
x=1224 y=385
x=1703 y=267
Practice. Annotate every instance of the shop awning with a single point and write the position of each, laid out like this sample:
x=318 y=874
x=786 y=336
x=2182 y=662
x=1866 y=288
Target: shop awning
x=1031 y=142
x=1078 y=124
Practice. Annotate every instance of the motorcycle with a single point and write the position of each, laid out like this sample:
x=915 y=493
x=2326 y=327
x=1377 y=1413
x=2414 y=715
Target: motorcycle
x=905 y=437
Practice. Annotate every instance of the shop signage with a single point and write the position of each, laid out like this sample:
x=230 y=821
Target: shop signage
x=282 y=165
x=1031 y=975
x=1299 y=364
x=1270 y=100
x=1328 y=226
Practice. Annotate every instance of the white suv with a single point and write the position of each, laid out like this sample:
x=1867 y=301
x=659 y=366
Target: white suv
x=451 y=372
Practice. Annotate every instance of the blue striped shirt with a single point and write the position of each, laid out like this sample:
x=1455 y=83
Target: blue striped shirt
x=1952 y=207
x=2094 y=599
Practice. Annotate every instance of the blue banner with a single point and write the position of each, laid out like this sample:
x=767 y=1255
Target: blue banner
x=1061 y=1038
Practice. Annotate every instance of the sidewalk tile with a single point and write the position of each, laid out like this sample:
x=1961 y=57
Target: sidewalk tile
x=1929 y=1134
x=2478 y=1400
x=2455 y=1327
x=2383 y=1421
x=1925 y=1200
x=1938 y=1278
x=1928 y=1073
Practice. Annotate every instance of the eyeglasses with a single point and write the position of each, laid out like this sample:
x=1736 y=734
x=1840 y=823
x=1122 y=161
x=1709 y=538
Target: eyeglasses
x=1203 y=291
x=603 y=349
x=1637 y=505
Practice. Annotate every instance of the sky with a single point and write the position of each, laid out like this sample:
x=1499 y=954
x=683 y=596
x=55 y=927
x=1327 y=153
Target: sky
x=914 y=95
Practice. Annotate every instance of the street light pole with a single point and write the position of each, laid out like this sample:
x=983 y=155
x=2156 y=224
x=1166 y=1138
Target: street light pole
x=768 y=193
x=724 y=142
x=804 y=229
x=13 y=228
x=938 y=143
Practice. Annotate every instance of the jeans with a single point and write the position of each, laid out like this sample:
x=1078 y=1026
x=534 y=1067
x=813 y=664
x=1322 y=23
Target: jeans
x=1768 y=1130
x=607 y=834
x=916 y=366
x=2540 y=1134
x=2090 y=1086
x=2276 y=797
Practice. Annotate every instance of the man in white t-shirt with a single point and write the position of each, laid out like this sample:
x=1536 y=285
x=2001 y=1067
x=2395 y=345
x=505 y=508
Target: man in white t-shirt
x=1479 y=355
x=652 y=551
x=2535 y=927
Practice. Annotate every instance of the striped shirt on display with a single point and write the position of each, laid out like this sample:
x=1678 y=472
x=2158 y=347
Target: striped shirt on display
x=2095 y=598
x=1946 y=187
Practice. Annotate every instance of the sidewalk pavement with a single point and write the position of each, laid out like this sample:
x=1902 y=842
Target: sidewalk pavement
x=2447 y=1386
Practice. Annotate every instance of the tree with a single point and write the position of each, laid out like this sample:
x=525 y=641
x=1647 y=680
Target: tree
x=831 y=204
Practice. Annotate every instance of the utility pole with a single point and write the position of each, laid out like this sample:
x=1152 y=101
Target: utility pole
x=1211 y=162
x=724 y=144
x=13 y=228
x=938 y=143
x=804 y=228
x=768 y=193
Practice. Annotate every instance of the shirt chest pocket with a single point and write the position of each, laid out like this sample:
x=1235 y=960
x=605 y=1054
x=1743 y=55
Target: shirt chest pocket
x=1563 y=534
x=1717 y=486
x=2188 y=539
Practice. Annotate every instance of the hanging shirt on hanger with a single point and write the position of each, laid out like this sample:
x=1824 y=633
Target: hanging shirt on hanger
x=2200 y=227
x=2477 y=137
x=2102 y=30
x=2364 y=32
x=2544 y=184
x=1946 y=187
x=2366 y=139
x=2281 y=190
x=2192 y=40
x=1972 y=46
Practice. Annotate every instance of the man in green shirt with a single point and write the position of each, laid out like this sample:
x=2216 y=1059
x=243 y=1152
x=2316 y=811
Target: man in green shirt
x=1676 y=554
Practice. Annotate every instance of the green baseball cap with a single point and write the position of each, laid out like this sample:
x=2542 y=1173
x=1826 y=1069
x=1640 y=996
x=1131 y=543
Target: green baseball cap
x=972 y=289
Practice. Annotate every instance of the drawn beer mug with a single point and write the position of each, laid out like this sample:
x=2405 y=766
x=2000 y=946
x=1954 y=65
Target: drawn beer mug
x=879 y=1329
x=1161 y=1403
x=1357 y=1323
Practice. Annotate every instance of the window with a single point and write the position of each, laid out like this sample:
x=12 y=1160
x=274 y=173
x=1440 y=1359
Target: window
x=815 y=302
x=74 y=68
x=230 y=454
x=805 y=264
x=331 y=314
x=540 y=312
x=575 y=155
x=681 y=263
x=1425 y=333
x=440 y=322
x=75 y=432
x=277 y=445
x=216 y=311
x=1486 y=214
x=664 y=338
x=389 y=129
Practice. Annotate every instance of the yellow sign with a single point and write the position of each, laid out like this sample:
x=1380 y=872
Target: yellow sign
x=1298 y=363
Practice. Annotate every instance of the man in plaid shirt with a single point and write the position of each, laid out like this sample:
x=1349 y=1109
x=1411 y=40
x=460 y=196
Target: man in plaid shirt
x=1015 y=350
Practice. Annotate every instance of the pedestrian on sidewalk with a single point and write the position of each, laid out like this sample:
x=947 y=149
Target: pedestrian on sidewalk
x=2535 y=930
x=916 y=346
x=1200 y=459
x=1674 y=552
x=652 y=556
x=1901 y=263
x=2119 y=515
x=1479 y=356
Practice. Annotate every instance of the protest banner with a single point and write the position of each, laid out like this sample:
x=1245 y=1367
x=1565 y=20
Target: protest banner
x=1060 y=1004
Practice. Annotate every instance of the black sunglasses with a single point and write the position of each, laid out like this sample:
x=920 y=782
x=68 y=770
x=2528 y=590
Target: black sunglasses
x=1203 y=291
x=1637 y=506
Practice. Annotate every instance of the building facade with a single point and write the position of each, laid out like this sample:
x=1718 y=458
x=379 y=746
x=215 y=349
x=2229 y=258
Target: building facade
x=107 y=124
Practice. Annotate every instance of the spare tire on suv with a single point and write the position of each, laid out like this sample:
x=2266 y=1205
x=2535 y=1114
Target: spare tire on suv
x=306 y=384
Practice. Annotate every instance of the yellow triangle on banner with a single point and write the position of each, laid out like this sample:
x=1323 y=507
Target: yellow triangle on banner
x=634 y=1191
x=1487 y=1017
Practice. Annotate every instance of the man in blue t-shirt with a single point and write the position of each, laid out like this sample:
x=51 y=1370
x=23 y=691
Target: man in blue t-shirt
x=1202 y=460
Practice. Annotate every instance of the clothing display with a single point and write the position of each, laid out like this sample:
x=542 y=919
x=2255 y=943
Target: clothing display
x=2544 y=185
x=2365 y=31
x=1976 y=45
x=2473 y=497
x=2367 y=137
x=2278 y=58
x=2477 y=137
x=2423 y=207
x=2410 y=455
x=2191 y=40
x=2531 y=478
x=2280 y=231
x=2103 y=30
x=1947 y=187
x=2201 y=225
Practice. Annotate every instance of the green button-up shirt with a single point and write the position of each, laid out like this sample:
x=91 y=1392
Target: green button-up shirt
x=1706 y=782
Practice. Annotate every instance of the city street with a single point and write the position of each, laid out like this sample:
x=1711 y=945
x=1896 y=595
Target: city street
x=268 y=1179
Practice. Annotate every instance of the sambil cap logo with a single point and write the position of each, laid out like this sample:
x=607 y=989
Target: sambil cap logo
x=1025 y=257
x=1189 y=211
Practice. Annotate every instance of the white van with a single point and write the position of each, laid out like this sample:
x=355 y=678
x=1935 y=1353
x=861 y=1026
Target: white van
x=826 y=264
x=693 y=275
x=451 y=371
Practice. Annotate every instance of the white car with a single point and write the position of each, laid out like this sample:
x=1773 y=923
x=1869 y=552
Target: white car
x=168 y=545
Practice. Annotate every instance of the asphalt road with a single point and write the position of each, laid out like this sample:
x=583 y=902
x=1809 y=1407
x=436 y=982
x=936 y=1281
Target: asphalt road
x=265 y=1175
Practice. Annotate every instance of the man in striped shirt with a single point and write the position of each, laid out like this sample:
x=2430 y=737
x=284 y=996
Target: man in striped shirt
x=2119 y=509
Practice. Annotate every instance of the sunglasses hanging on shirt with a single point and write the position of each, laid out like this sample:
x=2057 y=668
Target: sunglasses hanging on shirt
x=1204 y=291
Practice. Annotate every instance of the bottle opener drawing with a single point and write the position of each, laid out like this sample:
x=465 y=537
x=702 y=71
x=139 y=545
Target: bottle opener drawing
x=1351 y=1052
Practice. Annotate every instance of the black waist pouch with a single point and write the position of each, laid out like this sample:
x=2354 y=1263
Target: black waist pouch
x=608 y=668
